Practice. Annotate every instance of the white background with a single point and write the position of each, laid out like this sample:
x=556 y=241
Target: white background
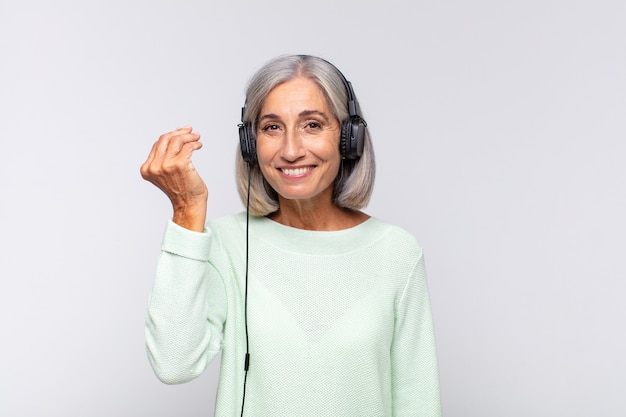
x=500 y=137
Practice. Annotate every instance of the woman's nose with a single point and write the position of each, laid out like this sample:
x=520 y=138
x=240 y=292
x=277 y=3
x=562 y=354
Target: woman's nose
x=293 y=148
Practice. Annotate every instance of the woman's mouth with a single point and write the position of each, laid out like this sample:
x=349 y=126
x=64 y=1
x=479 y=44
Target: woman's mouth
x=296 y=172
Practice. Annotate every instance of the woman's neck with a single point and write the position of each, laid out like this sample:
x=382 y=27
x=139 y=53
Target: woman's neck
x=311 y=215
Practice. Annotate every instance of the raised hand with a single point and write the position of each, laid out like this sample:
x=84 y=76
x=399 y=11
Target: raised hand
x=169 y=167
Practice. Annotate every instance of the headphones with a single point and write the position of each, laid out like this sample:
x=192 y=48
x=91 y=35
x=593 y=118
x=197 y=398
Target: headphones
x=352 y=129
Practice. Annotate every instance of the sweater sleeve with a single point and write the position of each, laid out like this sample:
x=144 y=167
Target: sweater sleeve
x=415 y=376
x=186 y=309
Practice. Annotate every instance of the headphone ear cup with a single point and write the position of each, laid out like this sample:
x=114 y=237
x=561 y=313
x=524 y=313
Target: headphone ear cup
x=352 y=138
x=247 y=142
x=343 y=139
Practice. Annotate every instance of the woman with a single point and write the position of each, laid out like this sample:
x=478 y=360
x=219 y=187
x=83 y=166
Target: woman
x=330 y=303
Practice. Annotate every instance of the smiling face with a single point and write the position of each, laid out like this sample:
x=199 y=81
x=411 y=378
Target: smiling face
x=298 y=142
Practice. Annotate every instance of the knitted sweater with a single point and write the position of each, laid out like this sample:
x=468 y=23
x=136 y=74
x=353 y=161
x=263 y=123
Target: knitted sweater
x=339 y=322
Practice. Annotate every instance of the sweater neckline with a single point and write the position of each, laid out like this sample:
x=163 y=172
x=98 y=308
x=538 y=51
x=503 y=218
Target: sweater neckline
x=296 y=240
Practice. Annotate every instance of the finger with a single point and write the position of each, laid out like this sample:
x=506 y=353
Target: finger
x=145 y=167
x=179 y=131
x=187 y=149
x=178 y=142
x=171 y=143
x=180 y=161
x=165 y=138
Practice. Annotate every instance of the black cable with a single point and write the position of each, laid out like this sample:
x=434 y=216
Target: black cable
x=245 y=303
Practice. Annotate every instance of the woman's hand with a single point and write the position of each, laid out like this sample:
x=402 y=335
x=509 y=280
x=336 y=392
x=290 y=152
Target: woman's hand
x=169 y=167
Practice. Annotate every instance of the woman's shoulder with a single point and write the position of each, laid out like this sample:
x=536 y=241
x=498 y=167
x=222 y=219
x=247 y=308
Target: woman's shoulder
x=394 y=236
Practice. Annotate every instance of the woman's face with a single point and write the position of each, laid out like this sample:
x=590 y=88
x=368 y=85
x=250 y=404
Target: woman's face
x=298 y=141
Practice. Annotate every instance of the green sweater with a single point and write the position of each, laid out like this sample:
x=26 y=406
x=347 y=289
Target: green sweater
x=339 y=322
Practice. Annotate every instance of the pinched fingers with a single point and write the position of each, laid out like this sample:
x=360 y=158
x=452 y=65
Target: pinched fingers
x=170 y=144
x=171 y=153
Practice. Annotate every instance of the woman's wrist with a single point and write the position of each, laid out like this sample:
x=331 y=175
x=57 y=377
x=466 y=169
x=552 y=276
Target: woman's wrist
x=192 y=217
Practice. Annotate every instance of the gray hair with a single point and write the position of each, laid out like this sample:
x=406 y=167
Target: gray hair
x=354 y=183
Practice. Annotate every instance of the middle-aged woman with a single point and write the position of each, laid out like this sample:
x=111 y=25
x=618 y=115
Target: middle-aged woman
x=317 y=308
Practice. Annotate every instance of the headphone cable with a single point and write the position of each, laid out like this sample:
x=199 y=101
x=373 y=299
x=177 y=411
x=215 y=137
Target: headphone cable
x=245 y=304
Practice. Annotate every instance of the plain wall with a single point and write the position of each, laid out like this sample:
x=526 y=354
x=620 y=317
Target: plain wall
x=500 y=139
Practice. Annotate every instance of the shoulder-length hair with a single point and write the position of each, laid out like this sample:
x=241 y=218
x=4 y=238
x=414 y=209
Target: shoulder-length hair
x=355 y=180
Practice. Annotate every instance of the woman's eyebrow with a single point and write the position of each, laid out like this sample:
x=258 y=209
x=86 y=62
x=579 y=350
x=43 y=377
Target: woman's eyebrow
x=270 y=116
x=306 y=113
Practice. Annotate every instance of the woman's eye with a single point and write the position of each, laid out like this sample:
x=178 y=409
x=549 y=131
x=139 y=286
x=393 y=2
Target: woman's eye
x=314 y=125
x=270 y=127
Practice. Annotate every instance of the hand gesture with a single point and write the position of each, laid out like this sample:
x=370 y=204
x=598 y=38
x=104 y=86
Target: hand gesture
x=169 y=167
